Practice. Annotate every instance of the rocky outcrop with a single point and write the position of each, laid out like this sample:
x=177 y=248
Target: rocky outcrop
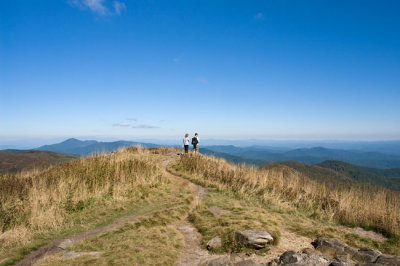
x=255 y=239
x=366 y=255
x=300 y=258
x=327 y=252
x=388 y=260
x=342 y=253
x=333 y=247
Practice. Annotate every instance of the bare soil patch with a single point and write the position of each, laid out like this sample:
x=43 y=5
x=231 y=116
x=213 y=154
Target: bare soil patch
x=364 y=233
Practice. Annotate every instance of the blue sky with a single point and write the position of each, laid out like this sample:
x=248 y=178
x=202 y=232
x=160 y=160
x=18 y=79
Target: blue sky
x=226 y=69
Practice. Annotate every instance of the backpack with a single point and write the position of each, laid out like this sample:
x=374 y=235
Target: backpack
x=194 y=141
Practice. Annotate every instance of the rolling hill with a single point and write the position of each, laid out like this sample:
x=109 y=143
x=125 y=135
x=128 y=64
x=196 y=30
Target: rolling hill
x=334 y=171
x=389 y=178
x=12 y=161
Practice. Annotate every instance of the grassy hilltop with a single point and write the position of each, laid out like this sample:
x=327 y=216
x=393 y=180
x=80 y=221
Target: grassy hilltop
x=130 y=193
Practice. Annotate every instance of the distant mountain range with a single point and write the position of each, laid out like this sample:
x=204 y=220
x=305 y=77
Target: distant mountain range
x=12 y=161
x=262 y=155
x=323 y=164
x=87 y=147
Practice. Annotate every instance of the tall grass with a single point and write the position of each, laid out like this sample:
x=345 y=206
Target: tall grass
x=45 y=200
x=360 y=205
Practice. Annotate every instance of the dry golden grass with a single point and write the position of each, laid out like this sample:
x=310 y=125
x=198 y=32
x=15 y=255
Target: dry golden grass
x=370 y=207
x=44 y=200
x=74 y=196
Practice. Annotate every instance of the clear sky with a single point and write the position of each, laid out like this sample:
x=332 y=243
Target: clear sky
x=271 y=69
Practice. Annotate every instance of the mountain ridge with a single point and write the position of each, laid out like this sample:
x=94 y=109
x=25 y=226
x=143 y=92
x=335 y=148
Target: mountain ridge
x=87 y=147
x=313 y=155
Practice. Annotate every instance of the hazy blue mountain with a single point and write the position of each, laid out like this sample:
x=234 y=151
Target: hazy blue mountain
x=87 y=147
x=389 y=147
x=312 y=155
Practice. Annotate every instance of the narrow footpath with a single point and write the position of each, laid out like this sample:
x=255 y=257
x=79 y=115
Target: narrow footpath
x=192 y=254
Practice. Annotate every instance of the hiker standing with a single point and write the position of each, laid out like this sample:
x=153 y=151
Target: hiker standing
x=195 y=143
x=185 y=142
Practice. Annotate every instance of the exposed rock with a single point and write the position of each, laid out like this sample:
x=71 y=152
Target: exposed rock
x=289 y=257
x=366 y=255
x=339 y=254
x=340 y=263
x=256 y=239
x=341 y=260
x=388 y=260
x=313 y=260
x=214 y=243
x=333 y=247
x=303 y=259
x=300 y=259
x=342 y=253
x=310 y=251
x=74 y=254
x=65 y=244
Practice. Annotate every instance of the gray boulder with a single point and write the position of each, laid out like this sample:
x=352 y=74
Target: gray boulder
x=388 y=260
x=333 y=247
x=289 y=257
x=366 y=255
x=214 y=243
x=313 y=260
x=346 y=255
x=256 y=239
x=292 y=258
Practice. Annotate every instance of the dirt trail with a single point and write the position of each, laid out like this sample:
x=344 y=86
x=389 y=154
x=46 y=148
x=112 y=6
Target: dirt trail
x=60 y=245
x=192 y=254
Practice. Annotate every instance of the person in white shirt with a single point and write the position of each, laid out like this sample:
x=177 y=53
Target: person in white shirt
x=185 y=142
x=195 y=143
